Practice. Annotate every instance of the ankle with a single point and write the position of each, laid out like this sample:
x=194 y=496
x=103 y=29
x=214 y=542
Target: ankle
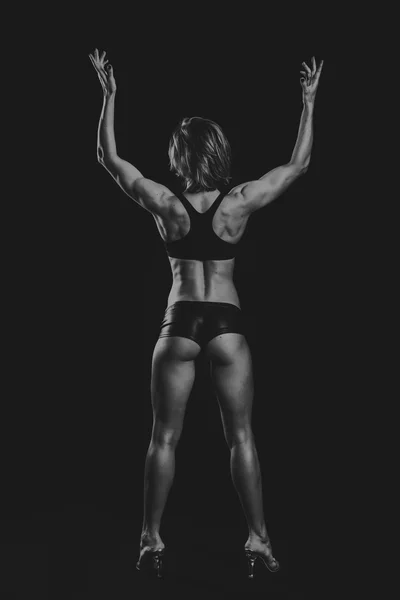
x=258 y=536
x=148 y=534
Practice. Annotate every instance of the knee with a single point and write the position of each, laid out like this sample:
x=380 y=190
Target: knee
x=163 y=436
x=239 y=435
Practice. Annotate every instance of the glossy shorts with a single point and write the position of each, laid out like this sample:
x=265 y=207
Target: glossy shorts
x=202 y=321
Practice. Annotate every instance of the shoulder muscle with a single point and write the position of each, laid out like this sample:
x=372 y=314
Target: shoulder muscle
x=260 y=192
x=150 y=195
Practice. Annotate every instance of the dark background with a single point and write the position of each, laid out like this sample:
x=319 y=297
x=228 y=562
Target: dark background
x=93 y=288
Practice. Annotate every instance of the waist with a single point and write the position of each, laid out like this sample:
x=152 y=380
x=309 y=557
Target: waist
x=203 y=309
x=225 y=294
x=204 y=303
x=203 y=282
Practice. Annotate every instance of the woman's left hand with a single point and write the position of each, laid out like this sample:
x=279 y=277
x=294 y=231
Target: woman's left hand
x=105 y=73
x=309 y=82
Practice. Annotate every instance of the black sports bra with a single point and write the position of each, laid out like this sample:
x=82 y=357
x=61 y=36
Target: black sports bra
x=201 y=242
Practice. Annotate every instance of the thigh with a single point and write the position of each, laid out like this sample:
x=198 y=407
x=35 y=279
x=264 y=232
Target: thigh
x=172 y=378
x=232 y=374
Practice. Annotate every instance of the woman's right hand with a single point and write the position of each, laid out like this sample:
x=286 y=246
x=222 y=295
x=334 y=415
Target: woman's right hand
x=105 y=73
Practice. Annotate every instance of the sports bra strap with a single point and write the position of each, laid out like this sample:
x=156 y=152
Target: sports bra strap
x=211 y=211
x=185 y=202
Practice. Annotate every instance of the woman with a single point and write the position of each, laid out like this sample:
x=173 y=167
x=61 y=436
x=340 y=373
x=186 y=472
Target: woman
x=201 y=230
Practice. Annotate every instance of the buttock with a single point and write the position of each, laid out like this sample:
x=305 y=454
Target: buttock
x=202 y=321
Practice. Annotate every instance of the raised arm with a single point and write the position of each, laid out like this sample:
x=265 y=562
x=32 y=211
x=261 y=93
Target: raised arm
x=257 y=194
x=148 y=194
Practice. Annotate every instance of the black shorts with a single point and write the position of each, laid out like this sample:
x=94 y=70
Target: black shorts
x=201 y=321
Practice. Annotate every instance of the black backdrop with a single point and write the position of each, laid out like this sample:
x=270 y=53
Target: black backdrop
x=98 y=278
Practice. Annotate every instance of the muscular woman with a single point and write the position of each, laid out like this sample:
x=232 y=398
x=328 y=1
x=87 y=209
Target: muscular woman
x=201 y=229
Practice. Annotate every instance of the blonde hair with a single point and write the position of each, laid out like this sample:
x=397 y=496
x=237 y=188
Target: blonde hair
x=200 y=154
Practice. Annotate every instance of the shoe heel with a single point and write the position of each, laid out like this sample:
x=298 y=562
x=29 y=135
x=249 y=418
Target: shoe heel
x=251 y=559
x=152 y=562
x=158 y=563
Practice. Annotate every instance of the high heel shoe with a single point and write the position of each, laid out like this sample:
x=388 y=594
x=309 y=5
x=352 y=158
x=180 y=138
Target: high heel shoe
x=152 y=561
x=270 y=562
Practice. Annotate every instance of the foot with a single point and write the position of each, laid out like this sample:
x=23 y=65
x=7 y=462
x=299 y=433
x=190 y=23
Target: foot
x=150 y=543
x=262 y=547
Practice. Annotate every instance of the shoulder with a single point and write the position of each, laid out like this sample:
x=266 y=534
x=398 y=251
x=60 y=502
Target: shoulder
x=154 y=196
x=260 y=192
x=236 y=197
x=148 y=187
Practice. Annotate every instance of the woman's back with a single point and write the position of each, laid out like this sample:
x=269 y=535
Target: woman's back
x=201 y=233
